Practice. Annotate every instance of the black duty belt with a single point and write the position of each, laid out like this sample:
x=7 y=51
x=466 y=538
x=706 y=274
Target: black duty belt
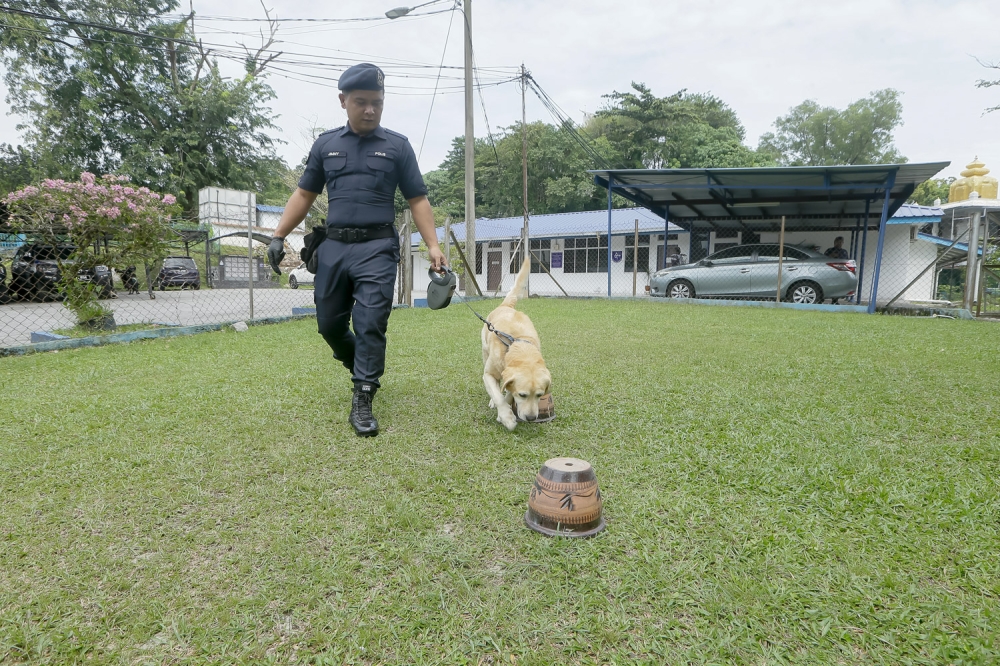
x=360 y=234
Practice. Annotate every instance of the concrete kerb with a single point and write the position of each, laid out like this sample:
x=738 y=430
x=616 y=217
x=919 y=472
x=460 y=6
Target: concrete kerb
x=116 y=338
x=132 y=336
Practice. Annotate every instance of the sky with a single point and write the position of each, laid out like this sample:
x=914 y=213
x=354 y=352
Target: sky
x=761 y=57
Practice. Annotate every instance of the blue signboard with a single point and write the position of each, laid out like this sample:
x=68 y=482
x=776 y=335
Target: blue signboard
x=616 y=256
x=557 y=260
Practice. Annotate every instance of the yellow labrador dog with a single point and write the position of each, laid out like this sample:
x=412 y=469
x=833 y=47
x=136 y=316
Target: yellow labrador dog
x=514 y=373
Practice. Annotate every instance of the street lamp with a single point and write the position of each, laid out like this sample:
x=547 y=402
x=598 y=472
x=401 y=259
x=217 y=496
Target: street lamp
x=403 y=11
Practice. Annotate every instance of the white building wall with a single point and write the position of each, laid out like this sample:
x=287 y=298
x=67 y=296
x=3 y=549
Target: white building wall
x=575 y=284
x=229 y=211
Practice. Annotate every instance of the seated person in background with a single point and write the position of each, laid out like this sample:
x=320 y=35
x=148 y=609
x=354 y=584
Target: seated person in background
x=837 y=251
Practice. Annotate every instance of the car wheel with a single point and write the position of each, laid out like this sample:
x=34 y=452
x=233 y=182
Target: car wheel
x=292 y=282
x=805 y=292
x=680 y=289
x=197 y=286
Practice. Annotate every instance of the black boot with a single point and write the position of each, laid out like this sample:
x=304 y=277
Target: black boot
x=362 y=419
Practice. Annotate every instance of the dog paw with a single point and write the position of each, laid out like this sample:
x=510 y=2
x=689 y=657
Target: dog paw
x=492 y=406
x=508 y=420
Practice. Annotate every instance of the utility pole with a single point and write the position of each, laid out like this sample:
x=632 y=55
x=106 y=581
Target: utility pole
x=470 y=141
x=524 y=165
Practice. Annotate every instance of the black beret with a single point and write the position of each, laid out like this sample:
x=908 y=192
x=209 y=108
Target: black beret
x=365 y=76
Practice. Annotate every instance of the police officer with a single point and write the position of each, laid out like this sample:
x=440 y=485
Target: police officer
x=361 y=164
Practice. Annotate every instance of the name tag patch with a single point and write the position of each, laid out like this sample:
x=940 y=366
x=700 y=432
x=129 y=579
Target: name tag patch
x=380 y=154
x=336 y=153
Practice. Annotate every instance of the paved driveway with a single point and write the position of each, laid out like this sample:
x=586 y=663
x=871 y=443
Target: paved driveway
x=208 y=306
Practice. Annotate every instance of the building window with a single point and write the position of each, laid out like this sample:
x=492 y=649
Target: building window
x=516 y=258
x=643 y=252
x=586 y=255
x=541 y=255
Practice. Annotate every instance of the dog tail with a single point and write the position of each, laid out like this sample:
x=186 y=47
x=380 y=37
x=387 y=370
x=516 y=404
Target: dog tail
x=520 y=288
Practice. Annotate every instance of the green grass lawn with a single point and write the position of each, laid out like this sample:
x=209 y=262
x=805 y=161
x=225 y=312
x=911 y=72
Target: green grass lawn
x=779 y=486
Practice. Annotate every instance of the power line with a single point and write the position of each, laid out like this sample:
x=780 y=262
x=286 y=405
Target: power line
x=566 y=123
x=98 y=26
x=224 y=49
x=444 y=51
x=229 y=53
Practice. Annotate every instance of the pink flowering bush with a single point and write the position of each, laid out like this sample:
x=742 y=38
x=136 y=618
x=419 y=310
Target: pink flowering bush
x=109 y=220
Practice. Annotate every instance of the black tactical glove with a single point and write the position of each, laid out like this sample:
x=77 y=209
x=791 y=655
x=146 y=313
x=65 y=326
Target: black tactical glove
x=276 y=252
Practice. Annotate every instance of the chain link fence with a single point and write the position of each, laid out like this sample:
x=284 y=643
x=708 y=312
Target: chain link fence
x=216 y=273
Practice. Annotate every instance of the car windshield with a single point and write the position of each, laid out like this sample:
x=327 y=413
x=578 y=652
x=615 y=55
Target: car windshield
x=182 y=262
x=50 y=253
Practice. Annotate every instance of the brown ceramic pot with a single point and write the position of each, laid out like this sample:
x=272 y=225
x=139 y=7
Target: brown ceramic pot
x=546 y=410
x=565 y=500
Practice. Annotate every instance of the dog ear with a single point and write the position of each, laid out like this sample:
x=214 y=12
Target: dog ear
x=506 y=379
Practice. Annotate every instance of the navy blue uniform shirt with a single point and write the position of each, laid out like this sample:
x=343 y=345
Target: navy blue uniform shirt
x=361 y=174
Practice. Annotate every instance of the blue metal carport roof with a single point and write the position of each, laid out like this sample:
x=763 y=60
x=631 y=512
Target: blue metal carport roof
x=752 y=198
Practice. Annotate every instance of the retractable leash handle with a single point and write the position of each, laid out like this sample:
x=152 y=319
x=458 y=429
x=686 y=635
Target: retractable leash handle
x=441 y=288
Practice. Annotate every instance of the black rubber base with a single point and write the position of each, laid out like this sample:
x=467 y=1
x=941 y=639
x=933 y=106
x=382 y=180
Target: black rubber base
x=563 y=533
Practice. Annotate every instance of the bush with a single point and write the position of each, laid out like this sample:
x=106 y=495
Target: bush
x=107 y=220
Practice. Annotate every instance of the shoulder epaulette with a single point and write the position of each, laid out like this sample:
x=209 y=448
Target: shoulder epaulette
x=335 y=129
x=401 y=136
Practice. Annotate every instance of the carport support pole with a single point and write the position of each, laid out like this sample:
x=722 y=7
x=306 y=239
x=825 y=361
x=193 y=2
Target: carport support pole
x=864 y=250
x=781 y=257
x=855 y=239
x=635 y=256
x=611 y=184
x=889 y=182
x=250 y=248
x=666 y=235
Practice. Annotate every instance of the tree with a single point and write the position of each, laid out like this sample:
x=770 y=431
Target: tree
x=929 y=190
x=557 y=174
x=814 y=135
x=118 y=87
x=679 y=131
x=635 y=130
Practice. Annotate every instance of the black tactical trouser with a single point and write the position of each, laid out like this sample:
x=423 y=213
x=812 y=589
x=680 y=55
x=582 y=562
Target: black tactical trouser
x=356 y=280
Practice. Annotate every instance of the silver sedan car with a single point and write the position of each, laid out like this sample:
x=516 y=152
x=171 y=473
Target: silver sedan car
x=750 y=272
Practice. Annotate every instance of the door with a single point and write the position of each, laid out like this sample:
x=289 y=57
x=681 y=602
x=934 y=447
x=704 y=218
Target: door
x=494 y=270
x=725 y=273
x=764 y=277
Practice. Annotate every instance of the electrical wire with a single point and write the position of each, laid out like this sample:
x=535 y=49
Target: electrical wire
x=444 y=51
x=228 y=53
x=566 y=123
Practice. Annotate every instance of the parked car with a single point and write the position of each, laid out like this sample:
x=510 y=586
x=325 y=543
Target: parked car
x=178 y=272
x=751 y=272
x=300 y=276
x=4 y=294
x=34 y=272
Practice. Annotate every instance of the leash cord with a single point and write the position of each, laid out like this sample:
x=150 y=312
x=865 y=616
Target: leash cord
x=506 y=338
